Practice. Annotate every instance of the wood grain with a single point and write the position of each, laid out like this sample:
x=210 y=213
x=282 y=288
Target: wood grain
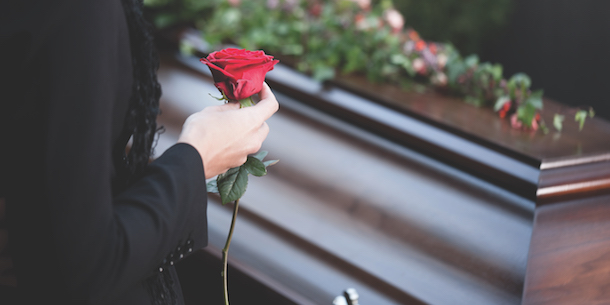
x=569 y=258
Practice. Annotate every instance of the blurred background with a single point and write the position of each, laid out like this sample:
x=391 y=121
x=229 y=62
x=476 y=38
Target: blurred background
x=562 y=45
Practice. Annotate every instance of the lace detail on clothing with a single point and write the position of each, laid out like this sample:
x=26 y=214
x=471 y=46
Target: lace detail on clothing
x=161 y=287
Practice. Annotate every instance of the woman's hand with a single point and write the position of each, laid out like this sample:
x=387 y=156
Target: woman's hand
x=225 y=135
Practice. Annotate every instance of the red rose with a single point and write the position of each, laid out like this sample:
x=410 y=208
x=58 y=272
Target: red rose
x=237 y=73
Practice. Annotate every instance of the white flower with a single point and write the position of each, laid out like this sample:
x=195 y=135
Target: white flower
x=441 y=60
x=419 y=65
x=439 y=79
x=394 y=19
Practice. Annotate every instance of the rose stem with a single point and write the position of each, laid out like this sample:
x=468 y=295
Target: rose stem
x=247 y=102
x=225 y=252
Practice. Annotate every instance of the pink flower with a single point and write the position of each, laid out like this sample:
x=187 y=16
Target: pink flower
x=419 y=66
x=234 y=2
x=441 y=60
x=394 y=19
x=514 y=122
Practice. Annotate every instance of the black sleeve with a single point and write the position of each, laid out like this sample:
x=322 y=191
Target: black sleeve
x=69 y=237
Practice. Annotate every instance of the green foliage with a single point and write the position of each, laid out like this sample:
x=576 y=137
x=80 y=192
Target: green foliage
x=501 y=101
x=581 y=116
x=558 y=121
x=330 y=38
x=232 y=184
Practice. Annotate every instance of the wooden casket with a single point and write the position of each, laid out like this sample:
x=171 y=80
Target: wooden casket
x=408 y=198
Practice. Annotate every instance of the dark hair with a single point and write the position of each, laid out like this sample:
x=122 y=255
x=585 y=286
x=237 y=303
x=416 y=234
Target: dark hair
x=140 y=123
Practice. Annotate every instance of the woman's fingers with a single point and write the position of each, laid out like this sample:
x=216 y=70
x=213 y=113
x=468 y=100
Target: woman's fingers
x=268 y=104
x=228 y=106
x=224 y=135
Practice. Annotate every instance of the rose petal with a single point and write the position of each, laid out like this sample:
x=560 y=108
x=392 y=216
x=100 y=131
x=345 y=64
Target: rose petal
x=217 y=72
x=239 y=73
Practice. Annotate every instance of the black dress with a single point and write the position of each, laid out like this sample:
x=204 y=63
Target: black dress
x=66 y=82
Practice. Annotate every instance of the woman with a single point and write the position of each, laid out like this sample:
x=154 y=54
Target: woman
x=86 y=222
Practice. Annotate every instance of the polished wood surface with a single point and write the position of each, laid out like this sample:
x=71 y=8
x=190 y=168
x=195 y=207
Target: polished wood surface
x=482 y=124
x=569 y=258
x=407 y=210
x=572 y=162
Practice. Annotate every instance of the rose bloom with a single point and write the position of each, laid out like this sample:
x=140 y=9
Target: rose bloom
x=441 y=60
x=238 y=73
x=515 y=123
x=440 y=79
x=419 y=66
x=394 y=19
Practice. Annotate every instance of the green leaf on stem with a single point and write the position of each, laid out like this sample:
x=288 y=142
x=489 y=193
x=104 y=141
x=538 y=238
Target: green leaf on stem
x=270 y=162
x=581 y=116
x=526 y=113
x=261 y=155
x=558 y=121
x=496 y=71
x=212 y=186
x=521 y=80
x=518 y=83
x=501 y=101
x=232 y=184
x=255 y=167
x=471 y=60
x=535 y=99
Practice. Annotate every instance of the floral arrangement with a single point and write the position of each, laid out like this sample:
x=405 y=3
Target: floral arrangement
x=238 y=75
x=335 y=37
